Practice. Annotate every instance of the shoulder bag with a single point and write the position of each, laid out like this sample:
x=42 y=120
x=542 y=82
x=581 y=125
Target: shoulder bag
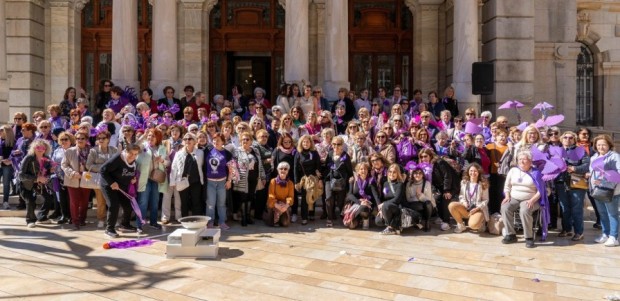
x=157 y=175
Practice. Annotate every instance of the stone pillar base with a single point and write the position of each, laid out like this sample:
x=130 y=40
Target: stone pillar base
x=4 y=103
x=468 y=100
x=158 y=88
x=330 y=88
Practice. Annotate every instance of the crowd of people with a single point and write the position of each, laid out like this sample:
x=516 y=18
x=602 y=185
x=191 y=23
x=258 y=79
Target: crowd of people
x=388 y=161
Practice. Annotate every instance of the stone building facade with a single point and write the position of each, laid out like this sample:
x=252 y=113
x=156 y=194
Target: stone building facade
x=565 y=52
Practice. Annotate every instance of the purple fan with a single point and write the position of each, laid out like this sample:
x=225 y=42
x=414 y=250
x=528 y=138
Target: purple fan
x=559 y=162
x=472 y=128
x=174 y=109
x=477 y=121
x=612 y=176
x=162 y=108
x=411 y=166
x=537 y=155
x=521 y=127
x=576 y=154
x=557 y=151
x=102 y=127
x=542 y=107
x=511 y=104
x=550 y=121
x=598 y=163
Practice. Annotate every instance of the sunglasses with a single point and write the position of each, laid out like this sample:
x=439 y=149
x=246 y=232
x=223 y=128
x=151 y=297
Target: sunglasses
x=568 y=138
x=470 y=114
x=554 y=134
x=282 y=168
x=397 y=120
x=336 y=144
x=188 y=139
x=44 y=127
x=424 y=156
x=64 y=139
x=193 y=130
x=381 y=137
x=245 y=139
x=375 y=104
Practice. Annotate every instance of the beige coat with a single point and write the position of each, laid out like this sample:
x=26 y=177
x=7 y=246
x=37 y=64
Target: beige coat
x=71 y=166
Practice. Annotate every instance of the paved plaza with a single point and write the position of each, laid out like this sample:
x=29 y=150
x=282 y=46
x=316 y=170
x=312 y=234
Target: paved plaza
x=308 y=262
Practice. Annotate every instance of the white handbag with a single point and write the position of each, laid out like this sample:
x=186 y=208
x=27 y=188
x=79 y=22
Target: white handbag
x=182 y=184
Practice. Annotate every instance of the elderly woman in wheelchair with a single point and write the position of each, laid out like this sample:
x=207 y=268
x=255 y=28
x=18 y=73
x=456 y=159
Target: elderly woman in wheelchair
x=525 y=193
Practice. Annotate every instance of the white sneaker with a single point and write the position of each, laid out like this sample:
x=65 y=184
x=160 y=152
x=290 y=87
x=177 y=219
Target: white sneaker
x=294 y=218
x=445 y=227
x=460 y=228
x=100 y=224
x=6 y=206
x=601 y=239
x=438 y=221
x=30 y=225
x=366 y=224
x=611 y=242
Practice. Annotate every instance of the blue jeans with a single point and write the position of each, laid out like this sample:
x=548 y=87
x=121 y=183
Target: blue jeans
x=216 y=195
x=7 y=178
x=571 y=203
x=149 y=198
x=609 y=215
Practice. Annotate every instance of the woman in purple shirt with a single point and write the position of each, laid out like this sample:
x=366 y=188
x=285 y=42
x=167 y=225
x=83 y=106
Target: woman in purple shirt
x=218 y=180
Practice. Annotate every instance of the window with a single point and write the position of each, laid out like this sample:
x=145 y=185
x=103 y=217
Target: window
x=585 y=87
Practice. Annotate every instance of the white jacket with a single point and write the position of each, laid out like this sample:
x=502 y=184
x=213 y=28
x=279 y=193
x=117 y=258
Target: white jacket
x=178 y=165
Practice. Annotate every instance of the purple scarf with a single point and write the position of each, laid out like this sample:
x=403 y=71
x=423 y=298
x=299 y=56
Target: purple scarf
x=543 y=202
x=281 y=182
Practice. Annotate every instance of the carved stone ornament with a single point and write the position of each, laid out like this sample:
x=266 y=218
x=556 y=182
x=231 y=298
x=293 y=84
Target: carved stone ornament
x=583 y=25
x=78 y=5
x=283 y=3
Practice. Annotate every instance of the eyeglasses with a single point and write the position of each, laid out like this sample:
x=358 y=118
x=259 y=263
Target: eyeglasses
x=336 y=144
x=317 y=92
x=193 y=130
x=210 y=126
x=283 y=168
x=568 y=138
x=375 y=104
x=64 y=139
x=17 y=118
x=425 y=117
x=424 y=156
x=106 y=85
x=285 y=119
x=44 y=127
x=226 y=114
x=127 y=131
x=554 y=134
x=397 y=120
x=258 y=108
x=188 y=139
x=458 y=121
x=73 y=115
x=381 y=137
x=245 y=139
x=470 y=114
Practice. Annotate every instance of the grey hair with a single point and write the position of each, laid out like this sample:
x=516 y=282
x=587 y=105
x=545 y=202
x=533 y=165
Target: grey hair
x=284 y=165
x=487 y=113
x=218 y=96
x=525 y=152
x=259 y=89
x=87 y=119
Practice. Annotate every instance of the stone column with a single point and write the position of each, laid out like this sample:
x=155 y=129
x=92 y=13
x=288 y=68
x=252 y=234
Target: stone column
x=296 y=47
x=611 y=90
x=190 y=43
x=336 y=47
x=65 y=41
x=426 y=43
x=125 y=44
x=320 y=41
x=508 y=42
x=25 y=64
x=4 y=84
x=165 y=60
x=465 y=51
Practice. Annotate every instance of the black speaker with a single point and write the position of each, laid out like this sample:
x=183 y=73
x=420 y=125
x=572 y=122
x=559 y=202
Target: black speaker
x=482 y=78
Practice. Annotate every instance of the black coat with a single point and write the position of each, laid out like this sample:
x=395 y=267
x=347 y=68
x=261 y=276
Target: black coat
x=445 y=178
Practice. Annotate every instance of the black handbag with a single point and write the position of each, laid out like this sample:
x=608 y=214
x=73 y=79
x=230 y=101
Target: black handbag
x=602 y=194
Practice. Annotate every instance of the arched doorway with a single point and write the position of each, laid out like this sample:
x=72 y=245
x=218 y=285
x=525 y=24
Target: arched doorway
x=380 y=45
x=97 y=43
x=246 y=40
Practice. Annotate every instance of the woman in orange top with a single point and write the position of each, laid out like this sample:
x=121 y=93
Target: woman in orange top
x=281 y=192
x=496 y=151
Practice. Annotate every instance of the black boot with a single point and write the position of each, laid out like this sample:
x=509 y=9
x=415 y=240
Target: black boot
x=248 y=215
x=244 y=215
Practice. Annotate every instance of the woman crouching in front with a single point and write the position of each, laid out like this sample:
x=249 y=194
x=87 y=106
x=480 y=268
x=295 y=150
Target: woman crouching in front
x=280 y=199
x=361 y=198
x=393 y=196
x=473 y=200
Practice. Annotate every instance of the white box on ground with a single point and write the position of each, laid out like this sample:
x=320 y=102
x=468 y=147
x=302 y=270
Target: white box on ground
x=199 y=243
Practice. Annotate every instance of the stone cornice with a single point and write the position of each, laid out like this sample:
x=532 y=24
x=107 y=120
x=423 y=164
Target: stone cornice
x=209 y=4
x=151 y=2
x=78 y=5
x=613 y=6
x=193 y=4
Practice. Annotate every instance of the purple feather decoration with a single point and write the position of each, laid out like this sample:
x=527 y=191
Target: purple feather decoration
x=130 y=96
x=100 y=128
x=130 y=243
x=537 y=155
